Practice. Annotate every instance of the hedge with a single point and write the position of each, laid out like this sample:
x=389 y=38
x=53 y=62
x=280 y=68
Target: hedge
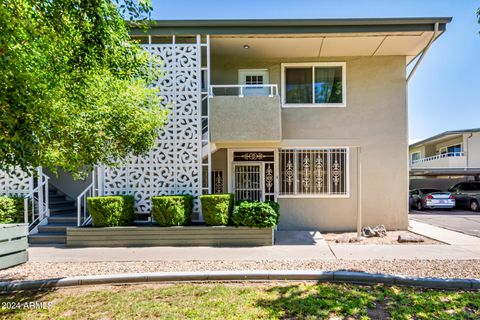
x=11 y=209
x=217 y=209
x=256 y=214
x=111 y=211
x=172 y=210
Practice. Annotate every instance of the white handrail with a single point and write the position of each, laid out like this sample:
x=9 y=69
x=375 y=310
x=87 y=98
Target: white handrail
x=39 y=195
x=272 y=88
x=440 y=156
x=82 y=213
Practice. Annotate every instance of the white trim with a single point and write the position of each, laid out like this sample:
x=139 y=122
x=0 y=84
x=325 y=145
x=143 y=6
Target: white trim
x=313 y=65
x=411 y=156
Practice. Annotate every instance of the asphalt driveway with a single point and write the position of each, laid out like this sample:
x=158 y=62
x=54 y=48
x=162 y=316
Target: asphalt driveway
x=467 y=222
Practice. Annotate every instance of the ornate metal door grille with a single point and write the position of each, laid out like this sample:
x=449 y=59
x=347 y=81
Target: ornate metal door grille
x=247 y=182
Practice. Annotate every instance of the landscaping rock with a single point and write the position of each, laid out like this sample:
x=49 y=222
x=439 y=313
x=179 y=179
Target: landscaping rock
x=409 y=238
x=368 y=232
x=378 y=231
x=347 y=239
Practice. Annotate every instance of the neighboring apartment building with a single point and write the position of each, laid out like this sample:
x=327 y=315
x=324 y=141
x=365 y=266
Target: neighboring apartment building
x=284 y=110
x=451 y=153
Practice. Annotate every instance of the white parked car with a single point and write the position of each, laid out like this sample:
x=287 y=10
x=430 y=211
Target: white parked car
x=431 y=199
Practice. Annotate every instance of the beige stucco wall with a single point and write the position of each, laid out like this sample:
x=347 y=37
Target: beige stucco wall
x=375 y=118
x=245 y=119
x=448 y=143
x=472 y=149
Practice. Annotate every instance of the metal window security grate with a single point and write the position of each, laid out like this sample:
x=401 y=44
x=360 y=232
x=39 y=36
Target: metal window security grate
x=248 y=183
x=218 y=181
x=313 y=171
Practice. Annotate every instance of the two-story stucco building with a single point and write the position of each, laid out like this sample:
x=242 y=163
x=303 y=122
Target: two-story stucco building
x=310 y=113
x=446 y=158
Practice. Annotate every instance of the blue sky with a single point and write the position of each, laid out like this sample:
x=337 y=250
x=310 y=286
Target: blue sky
x=444 y=93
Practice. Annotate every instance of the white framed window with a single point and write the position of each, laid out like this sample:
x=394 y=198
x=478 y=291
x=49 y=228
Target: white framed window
x=318 y=84
x=415 y=156
x=314 y=172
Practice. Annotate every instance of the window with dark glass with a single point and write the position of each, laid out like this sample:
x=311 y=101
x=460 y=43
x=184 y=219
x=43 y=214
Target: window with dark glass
x=314 y=85
x=298 y=85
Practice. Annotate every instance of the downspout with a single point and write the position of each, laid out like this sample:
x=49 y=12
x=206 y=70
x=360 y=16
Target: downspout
x=424 y=51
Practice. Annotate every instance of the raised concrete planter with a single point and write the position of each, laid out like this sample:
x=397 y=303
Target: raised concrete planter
x=169 y=236
x=13 y=244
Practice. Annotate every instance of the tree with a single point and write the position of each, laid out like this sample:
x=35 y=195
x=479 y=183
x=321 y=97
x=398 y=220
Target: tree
x=76 y=91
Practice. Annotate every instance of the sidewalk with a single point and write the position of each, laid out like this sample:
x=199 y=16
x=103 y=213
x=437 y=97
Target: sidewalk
x=290 y=245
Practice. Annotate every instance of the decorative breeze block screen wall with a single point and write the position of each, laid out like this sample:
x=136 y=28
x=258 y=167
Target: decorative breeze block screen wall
x=174 y=165
x=17 y=184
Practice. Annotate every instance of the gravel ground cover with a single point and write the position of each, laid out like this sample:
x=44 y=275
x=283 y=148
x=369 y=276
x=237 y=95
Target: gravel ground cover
x=423 y=268
x=391 y=238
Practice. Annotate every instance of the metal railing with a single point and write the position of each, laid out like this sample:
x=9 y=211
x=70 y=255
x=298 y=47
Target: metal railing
x=270 y=89
x=440 y=156
x=83 y=217
x=35 y=203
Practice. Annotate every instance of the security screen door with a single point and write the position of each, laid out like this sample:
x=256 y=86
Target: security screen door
x=248 y=182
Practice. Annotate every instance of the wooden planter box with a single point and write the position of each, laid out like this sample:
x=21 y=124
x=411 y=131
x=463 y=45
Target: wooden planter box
x=169 y=236
x=13 y=244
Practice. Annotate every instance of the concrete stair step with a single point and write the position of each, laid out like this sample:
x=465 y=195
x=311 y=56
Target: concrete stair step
x=61 y=203
x=63 y=209
x=47 y=238
x=62 y=219
x=53 y=228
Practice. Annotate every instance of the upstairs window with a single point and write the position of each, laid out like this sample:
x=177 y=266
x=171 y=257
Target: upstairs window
x=317 y=84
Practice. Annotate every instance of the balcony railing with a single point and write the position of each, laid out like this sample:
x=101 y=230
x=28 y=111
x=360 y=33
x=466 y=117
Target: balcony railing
x=242 y=90
x=439 y=156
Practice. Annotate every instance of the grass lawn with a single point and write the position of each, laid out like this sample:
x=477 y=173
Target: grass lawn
x=245 y=301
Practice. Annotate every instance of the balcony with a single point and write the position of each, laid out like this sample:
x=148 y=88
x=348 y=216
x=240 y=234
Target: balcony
x=245 y=113
x=444 y=161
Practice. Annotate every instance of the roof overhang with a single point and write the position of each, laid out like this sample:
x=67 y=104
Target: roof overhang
x=308 y=38
x=444 y=136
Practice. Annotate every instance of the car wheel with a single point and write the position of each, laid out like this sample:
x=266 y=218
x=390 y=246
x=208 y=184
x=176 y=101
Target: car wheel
x=419 y=205
x=474 y=206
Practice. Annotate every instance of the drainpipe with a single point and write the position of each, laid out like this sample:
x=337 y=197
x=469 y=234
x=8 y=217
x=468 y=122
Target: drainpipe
x=359 y=193
x=424 y=51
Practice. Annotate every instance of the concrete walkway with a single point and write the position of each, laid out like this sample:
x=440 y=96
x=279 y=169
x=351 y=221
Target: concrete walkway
x=290 y=245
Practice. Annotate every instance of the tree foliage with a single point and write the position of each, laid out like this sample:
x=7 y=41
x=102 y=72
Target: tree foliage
x=76 y=91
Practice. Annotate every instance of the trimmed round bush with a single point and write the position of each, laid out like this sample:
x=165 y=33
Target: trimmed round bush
x=111 y=211
x=11 y=210
x=256 y=214
x=172 y=210
x=217 y=208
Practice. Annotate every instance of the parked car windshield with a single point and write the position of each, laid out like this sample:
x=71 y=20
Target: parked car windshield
x=429 y=190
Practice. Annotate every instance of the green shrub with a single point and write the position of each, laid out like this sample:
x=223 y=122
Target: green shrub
x=11 y=209
x=172 y=210
x=111 y=211
x=256 y=214
x=217 y=209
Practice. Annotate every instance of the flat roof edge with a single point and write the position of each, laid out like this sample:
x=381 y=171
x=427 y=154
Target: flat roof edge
x=443 y=134
x=291 y=26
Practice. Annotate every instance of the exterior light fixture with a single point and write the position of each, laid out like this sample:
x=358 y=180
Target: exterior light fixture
x=246 y=46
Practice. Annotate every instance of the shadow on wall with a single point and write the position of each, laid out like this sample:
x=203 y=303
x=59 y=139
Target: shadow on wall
x=65 y=183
